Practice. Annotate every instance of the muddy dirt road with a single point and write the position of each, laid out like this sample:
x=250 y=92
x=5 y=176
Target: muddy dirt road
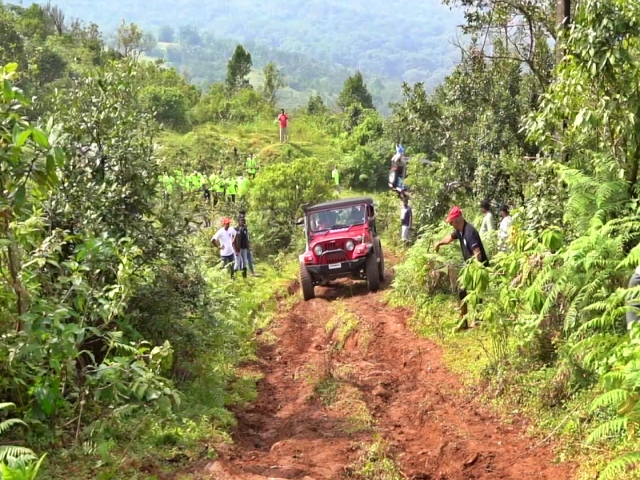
x=349 y=392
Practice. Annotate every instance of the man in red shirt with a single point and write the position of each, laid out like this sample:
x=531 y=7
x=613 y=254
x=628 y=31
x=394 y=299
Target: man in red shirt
x=283 y=118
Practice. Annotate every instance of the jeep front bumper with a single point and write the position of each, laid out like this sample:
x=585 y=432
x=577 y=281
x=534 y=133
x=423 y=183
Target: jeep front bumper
x=337 y=270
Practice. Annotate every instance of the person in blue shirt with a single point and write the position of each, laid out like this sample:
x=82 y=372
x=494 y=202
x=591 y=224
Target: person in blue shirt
x=399 y=149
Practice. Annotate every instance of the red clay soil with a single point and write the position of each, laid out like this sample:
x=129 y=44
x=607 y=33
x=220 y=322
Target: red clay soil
x=433 y=430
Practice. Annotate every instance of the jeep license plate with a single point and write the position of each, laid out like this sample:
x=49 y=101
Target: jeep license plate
x=333 y=266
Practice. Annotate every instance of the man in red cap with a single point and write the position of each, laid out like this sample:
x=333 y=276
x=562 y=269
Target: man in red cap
x=470 y=245
x=223 y=239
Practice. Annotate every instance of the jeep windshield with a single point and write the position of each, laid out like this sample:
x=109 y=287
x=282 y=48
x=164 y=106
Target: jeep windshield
x=337 y=218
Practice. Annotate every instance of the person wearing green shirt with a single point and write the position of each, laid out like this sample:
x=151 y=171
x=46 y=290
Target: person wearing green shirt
x=232 y=188
x=335 y=174
x=242 y=186
x=251 y=166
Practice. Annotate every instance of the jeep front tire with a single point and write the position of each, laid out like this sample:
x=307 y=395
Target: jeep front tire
x=371 y=270
x=381 y=262
x=306 y=283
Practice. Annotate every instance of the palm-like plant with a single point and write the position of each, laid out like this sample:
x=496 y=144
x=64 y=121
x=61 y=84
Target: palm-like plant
x=16 y=463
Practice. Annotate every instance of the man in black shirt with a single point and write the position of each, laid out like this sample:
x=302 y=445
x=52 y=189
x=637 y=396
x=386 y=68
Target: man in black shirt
x=241 y=246
x=471 y=247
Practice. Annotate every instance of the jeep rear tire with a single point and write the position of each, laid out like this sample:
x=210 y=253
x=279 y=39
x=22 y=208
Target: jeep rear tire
x=306 y=283
x=371 y=269
x=381 y=271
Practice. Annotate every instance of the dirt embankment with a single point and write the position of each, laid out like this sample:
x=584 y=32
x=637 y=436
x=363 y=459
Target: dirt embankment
x=349 y=392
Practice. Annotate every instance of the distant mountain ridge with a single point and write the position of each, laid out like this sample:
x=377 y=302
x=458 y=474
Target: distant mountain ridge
x=402 y=40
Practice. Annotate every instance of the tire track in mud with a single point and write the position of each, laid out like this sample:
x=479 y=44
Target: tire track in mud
x=324 y=398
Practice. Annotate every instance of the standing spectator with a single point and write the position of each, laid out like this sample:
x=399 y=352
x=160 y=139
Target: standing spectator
x=505 y=226
x=251 y=166
x=283 y=118
x=335 y=175
x=223 y=239
x=206 y=193
x=241 y=246
x=471 y=247
x=249 y=254
x=406 y=218
x=232 y=188
x=488 y=222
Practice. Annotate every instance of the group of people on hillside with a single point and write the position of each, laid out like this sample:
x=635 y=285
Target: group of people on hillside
x=221 y=185
x=235 y=246
x=224 y=187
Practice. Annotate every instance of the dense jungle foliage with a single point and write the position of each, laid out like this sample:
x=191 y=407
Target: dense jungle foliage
x=120 y=334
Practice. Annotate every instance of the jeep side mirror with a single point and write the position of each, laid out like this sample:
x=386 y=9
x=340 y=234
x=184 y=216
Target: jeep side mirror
x=300 y=221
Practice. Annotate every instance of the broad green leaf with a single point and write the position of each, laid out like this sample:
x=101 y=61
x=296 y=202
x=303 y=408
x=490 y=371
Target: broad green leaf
x=7 y=90
x=22 y=138
x=19 y=198
x=10 y=67
x=51 y=169
x=40 y=137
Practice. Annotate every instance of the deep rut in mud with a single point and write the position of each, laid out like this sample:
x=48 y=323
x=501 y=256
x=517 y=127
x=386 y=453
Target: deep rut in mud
x=346 y=373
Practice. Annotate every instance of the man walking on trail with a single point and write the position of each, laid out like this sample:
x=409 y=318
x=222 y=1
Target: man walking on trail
x=223 y=239
x=471 y=247
x=505 y=226
x=488 y=222
x=406 y=218
x=335 y=174
x=283 y=118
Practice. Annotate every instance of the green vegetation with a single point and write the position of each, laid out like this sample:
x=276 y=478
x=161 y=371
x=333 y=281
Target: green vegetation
x=377 y=464
x=121 y=336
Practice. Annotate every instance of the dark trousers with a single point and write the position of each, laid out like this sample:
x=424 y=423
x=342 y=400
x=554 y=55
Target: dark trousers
x=228 y=262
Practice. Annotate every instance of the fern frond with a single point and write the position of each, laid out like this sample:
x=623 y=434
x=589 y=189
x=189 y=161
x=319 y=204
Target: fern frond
x=612 y=428
x=8 y=452
x=8 y=423
x=614 y=397
x=619 y=466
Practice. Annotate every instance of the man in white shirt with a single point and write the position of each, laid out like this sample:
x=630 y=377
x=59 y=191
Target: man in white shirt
x=505 y=225
x=223 y=239
x=488 y=223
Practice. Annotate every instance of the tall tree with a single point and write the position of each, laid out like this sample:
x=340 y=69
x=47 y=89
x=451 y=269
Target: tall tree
x=238 y=69
x=128 y=38
x=315 y=105
x=355 y=92
x=166 y=34
x=273 y=81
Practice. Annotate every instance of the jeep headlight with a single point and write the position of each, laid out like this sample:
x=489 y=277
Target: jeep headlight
x=350 y=245
x=318 y=250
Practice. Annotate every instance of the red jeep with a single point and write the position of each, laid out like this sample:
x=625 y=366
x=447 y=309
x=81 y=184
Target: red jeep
x=342 y=241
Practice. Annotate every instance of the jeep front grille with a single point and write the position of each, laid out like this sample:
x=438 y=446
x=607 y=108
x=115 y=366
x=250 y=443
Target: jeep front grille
x=334 y=256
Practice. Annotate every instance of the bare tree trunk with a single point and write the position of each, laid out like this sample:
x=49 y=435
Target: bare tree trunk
x=563 y=19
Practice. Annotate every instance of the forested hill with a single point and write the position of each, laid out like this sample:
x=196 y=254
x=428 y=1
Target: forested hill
x=402 y=40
